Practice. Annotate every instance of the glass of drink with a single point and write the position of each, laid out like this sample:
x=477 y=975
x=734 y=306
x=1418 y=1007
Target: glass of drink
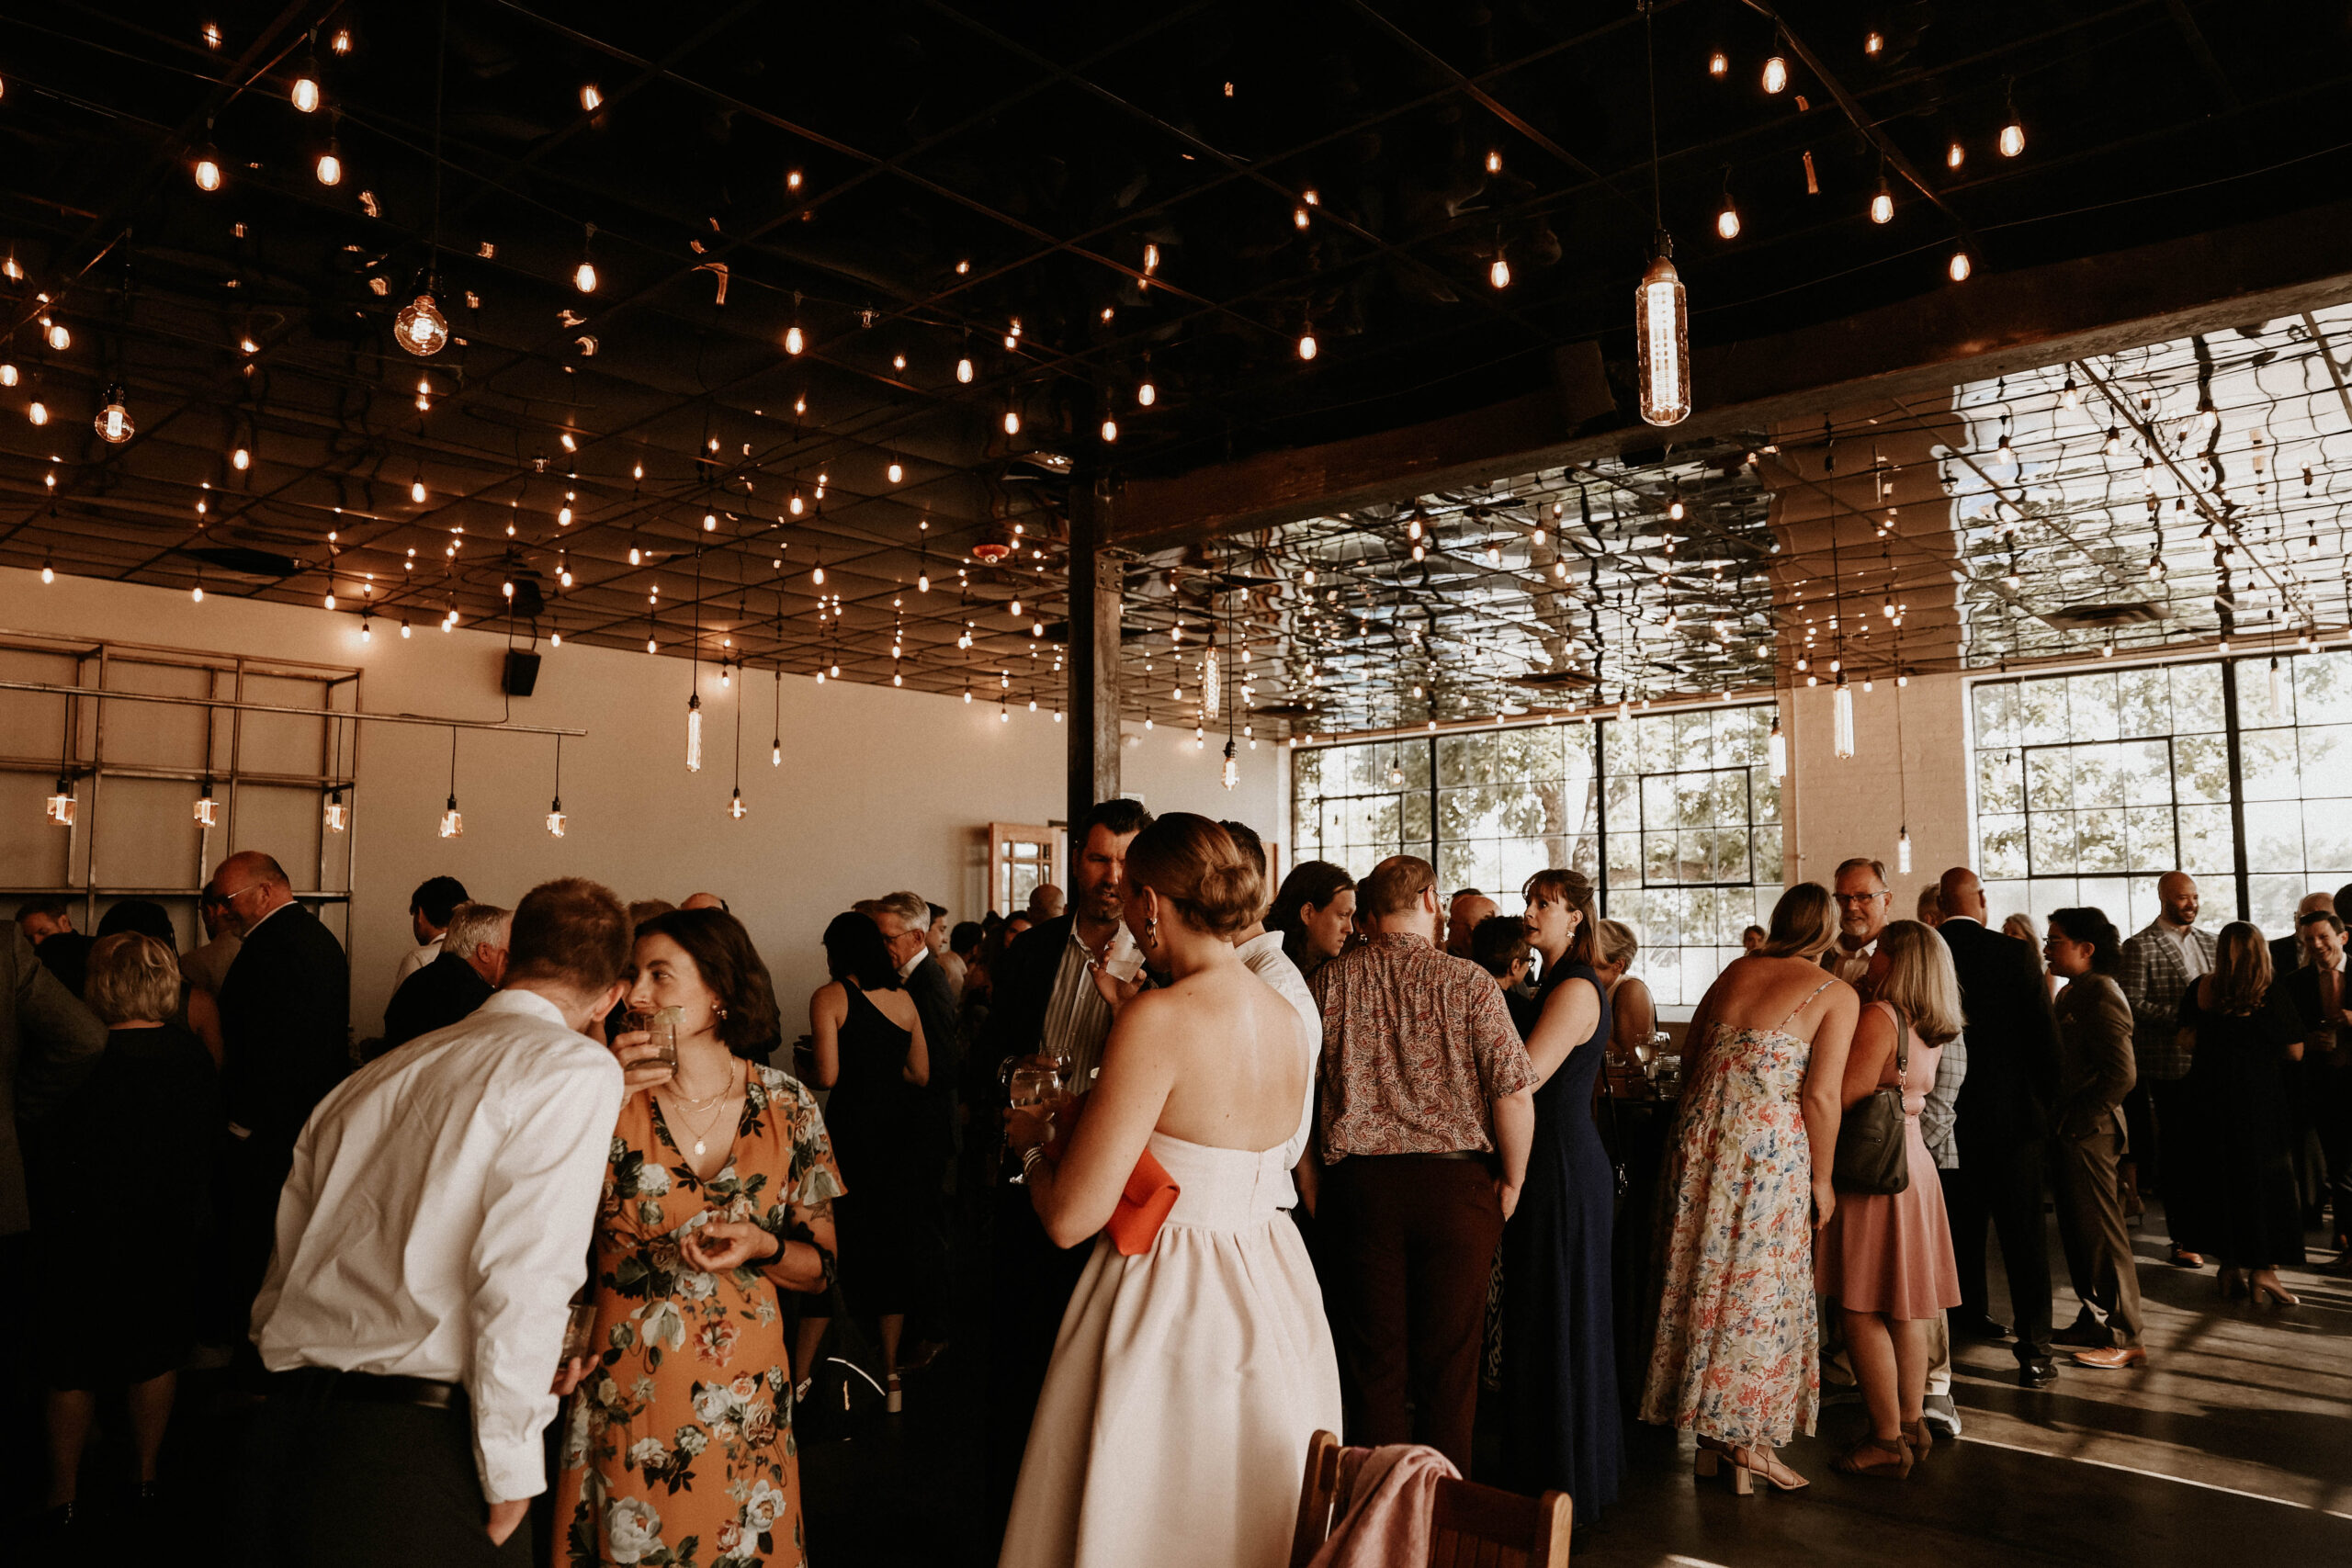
x=661 y=1024
x=1030 y=1081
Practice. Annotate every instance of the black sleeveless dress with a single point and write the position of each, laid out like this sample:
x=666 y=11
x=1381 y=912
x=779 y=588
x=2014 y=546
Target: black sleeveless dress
x=887 y=1225
x=1562 y=1426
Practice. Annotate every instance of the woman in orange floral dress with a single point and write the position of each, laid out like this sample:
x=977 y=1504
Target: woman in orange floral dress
x=678 y=1448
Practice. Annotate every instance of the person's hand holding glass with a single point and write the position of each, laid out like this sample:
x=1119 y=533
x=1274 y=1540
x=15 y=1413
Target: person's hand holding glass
x=647 y=1048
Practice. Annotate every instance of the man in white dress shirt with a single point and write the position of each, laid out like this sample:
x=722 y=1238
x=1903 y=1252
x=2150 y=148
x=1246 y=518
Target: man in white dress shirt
x=434 y=1227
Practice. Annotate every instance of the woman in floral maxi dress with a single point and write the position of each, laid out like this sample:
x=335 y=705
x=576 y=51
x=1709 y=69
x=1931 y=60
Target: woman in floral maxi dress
x=1735 y=1359
x=678 y=1449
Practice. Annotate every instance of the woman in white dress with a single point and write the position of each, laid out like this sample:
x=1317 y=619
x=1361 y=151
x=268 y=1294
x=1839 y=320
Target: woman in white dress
x=1187 y=1379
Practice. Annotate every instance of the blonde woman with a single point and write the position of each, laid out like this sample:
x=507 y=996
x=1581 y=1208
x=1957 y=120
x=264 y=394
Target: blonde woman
x=1633 y=1015
x=1736 y=1358
x=1886 y=1258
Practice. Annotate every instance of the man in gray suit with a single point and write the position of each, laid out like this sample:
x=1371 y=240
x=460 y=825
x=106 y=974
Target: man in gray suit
x=2159 y=965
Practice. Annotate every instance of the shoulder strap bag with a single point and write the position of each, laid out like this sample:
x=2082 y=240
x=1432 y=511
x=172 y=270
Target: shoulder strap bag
x=1872 y=1156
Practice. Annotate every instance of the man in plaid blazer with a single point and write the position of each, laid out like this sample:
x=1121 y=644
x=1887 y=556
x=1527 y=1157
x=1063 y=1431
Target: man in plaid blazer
x=2159 y=965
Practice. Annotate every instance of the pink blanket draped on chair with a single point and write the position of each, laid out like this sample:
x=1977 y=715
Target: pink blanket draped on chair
x=1384 y=1500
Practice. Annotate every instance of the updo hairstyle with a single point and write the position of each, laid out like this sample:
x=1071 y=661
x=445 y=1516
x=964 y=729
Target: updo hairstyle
x=1195 y=865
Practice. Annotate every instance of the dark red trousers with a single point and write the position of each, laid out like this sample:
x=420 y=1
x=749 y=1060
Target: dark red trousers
x=1410 y=1240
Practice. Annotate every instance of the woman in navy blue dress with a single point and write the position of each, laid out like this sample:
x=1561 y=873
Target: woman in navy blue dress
x=1562 y=1426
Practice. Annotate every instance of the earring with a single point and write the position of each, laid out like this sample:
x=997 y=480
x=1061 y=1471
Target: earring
x=1151 y=930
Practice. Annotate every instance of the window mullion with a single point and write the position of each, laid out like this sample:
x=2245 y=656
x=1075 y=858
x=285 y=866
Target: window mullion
x=2237 y=788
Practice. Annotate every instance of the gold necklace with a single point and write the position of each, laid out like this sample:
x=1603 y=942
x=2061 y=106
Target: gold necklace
x=702 y=1134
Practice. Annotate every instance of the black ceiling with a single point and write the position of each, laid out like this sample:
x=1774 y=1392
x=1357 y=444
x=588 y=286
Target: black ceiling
x=911 y=179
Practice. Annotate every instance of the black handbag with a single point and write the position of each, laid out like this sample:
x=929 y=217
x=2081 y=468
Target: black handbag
x=1872 y=1156
x=845 y=1398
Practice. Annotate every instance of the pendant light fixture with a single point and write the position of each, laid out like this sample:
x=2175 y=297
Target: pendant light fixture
x=1776 y=751
x=776 y=747
x=1882 y=202
x=583 y=276
x=113 y=424
x=735 y=806
x=694 y=679
x=1841 y=744
x=2012 y=138
x=207 y=811
x=59 y=807
x=453 y=824
x=555 y=806
x=1661 y=313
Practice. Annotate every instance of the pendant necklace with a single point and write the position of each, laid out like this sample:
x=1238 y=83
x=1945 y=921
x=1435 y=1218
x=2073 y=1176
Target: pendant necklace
x=701 y=1133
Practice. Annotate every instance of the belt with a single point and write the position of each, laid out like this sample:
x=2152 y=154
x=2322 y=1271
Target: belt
x=1474 y=1155
x=325 y=1384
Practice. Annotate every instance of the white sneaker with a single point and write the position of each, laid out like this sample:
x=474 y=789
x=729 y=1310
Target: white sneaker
x=1939 y=1409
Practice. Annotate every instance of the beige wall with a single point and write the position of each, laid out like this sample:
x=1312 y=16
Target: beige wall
x=880 y=789
x=1858 y=805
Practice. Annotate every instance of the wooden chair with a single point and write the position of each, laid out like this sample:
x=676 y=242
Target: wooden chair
x=1470 y=1526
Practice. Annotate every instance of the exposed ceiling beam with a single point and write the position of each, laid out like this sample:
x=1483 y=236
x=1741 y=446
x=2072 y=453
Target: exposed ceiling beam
x=1998 y=323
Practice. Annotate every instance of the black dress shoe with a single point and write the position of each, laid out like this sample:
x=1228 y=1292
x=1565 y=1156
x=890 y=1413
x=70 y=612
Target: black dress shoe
x=1978 y=1327
x=2038 y=1371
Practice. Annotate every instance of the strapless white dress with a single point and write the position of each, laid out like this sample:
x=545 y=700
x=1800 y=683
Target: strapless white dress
x=1185 y=1384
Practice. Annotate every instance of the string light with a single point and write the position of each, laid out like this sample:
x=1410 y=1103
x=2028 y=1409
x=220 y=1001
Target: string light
x=583 y=276
x=207 y=167
x=305 y=96
x=1960 y=266
x=1872 y=42
x=1727 y=216
x=592 y=97
x=1718 y=64
x=1498 y=274
x=329 y=167
x=1954 y=153
x=964 y=369
x=1147 y=394
x=2012 y=138
x=1306 y=347
x=1775 y=74
x=1883 y=203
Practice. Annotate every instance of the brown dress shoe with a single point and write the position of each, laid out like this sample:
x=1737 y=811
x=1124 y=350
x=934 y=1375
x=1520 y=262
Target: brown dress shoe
x=2184 y=1258
x=2115 y=1359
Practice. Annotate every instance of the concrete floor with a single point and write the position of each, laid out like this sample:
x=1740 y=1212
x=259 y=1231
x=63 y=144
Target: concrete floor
x=2232 y=1450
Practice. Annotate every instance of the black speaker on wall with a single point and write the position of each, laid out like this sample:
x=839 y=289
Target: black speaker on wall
x=522 y=673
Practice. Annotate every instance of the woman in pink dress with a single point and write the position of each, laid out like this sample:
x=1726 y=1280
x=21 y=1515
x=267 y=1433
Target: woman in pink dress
x=1886 y=1258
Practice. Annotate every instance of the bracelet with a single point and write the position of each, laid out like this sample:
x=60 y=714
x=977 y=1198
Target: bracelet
x=1031 y=1157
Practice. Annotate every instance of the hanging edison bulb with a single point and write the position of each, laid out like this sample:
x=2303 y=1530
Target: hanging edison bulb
x=694 y=733
x=1012 y=422
x=1110 y=430
x=241 y=459
x=1776 y=751
x=453 y=823
x=1960 y=266
x=113 y=424
x=1902 y=849
x=2012 y=138
x=1954 y=153
x=583 y=276
x=337 y=816
x=793 y=342
x=59 y=338
x=1306 y=345
x=592 y=97
x=38 y=412
x=1883 y=203
x=1728 y=218
x=1775 y=74
x=1718 y=64
x=208 y=169
x=735 y=806
x=329 y=167
x=1231 y=774
x=1498 y=274
x=1147 y=394
x=556 y=819
x=207 y=811
x=1841 y=743
x=1210 y=684
x=421 y=328
x=1662 y=336
x=305 y=93
x=59 y=807
x=896 y=471
x=964 y=369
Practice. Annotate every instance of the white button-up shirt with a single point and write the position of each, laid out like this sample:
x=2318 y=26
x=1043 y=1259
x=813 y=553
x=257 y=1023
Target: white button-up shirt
x=438 y=1218
x=414 y=959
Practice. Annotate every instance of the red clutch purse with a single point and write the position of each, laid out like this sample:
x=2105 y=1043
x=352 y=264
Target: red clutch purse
x=1144 y=1204
x=1143 y=1207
